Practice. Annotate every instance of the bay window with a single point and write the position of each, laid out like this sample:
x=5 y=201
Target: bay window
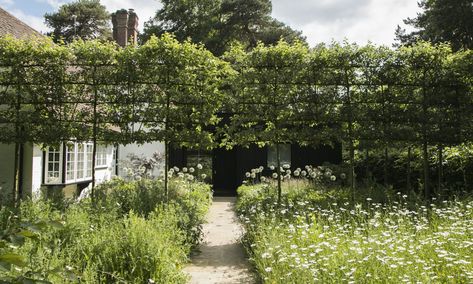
x=72 y=162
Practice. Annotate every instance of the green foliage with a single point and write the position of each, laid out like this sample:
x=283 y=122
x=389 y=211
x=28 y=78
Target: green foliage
x=441 y=21
x=321 y=236
x=218 y=24
x=85 y=19
x=132 y=235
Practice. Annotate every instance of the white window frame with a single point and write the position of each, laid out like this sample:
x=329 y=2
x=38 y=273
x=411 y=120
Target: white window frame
x=68 y=169
x=47 y=178
x=101 y=156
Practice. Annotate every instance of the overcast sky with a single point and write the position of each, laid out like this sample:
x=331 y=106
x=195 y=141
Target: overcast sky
x=320 y=20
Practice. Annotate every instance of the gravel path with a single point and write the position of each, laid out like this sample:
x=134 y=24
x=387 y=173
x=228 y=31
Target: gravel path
x=221 y=258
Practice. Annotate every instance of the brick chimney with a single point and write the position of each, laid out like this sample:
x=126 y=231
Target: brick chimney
x=125 y=27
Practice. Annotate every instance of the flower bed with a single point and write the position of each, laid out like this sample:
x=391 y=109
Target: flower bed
x=129 y=235
x=319 y=236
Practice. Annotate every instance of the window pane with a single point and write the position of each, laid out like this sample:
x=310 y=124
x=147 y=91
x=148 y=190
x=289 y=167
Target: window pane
x=53 y=165
x=80 y=161
x=89 y=161
x=284 y=155
x=70 y=162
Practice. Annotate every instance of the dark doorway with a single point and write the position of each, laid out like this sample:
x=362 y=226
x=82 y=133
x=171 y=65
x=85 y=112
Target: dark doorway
x=224 y=169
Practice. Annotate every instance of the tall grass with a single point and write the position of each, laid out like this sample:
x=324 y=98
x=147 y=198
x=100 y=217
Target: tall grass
x=319 y=236
x=131 y=235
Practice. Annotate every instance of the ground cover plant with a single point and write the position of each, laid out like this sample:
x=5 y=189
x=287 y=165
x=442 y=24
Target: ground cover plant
x=319 y=235
x=131 y=234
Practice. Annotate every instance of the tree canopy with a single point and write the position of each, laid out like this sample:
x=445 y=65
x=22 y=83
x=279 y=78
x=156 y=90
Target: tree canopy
x=441 y=21
x=219 y=23
x=85 y=19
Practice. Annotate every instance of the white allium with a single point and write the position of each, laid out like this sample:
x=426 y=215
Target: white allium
x=275 y=175
x=303 y=173
x=203 y=176
x=191 y=170
x=199 y=166
x=253 y=175
x=184 y=170
x=248 y=174
x=272 y=168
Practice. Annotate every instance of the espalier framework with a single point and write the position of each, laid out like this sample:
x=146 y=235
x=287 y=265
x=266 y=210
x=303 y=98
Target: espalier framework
x=176 y=92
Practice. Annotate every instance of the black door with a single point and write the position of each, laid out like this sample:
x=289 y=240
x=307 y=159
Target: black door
x=224 y=172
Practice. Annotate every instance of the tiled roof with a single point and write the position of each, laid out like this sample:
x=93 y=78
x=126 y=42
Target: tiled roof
x=9 y=24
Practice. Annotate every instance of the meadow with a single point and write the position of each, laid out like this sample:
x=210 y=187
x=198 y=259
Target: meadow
x=321 y=234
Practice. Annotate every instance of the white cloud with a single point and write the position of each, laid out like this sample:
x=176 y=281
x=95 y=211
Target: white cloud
x=145 y=9
x=36 y=23
x=355 y=20
x=6 y=3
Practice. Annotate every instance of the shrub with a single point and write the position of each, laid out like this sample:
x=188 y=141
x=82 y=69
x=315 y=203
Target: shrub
x=131 y=234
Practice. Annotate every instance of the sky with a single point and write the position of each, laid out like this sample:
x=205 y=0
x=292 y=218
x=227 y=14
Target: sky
x=359 y=21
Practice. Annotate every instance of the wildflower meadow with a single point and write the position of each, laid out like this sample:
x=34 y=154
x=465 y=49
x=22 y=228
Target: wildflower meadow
x=319 y=234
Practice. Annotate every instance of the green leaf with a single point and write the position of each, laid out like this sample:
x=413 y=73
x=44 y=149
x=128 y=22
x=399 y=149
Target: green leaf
x=15 y=259
x=56 y=224
x=5 y=266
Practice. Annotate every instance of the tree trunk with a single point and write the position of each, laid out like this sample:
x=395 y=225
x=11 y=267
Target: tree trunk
x=408 y=178
x=427 y=193
x=166 y=170
x=385 y=166
x=16 y=175
x=278 y=170
x=440 y=169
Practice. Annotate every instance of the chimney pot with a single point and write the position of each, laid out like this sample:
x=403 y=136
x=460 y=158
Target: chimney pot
x=125 y=27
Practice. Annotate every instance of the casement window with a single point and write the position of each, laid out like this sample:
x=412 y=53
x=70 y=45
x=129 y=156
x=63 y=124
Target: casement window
x=53 y=165
x=77 y=169
x=101 y=156
x=72 y=162
x=284 y=155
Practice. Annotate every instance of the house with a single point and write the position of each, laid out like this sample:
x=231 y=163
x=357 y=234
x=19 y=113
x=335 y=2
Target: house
x=67 y=167
x=225 y=169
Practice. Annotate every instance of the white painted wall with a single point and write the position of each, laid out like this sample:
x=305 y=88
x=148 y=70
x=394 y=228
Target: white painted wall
x=37 y=171
x=106 y=173
x=146 y=150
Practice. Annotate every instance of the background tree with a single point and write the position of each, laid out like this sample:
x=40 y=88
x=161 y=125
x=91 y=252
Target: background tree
x=86 y=19
x=217 y=24
x=441 y=21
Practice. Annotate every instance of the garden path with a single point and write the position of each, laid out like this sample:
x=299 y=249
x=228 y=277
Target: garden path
x=221 y=258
